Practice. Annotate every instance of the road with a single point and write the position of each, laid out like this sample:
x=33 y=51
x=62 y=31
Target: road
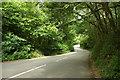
x=70 y=65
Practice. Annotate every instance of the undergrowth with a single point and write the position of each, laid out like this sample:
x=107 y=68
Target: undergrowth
x=106 y=55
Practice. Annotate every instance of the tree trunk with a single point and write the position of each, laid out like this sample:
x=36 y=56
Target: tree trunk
x=109 y=16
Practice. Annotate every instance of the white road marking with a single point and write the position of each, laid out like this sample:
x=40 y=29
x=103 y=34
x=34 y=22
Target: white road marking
x=61 y=59
x=27 y=71
x=66 y=54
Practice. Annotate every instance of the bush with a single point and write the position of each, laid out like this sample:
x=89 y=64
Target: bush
x=63 y=47
x=71 y=48
x=87 y=42
x=106 y=55
x=55 y=48
x=14 y=47
x=96 y=50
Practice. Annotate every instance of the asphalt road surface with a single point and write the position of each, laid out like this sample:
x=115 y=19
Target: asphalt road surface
x=70 y=65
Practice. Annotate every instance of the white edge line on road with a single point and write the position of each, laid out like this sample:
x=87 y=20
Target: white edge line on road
x=27 y=71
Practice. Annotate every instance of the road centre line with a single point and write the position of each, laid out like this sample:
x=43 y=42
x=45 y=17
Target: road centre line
x=61 y=59
x=28 y=71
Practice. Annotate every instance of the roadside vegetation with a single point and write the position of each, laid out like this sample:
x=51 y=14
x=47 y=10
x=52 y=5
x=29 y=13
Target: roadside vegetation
x=35 y=29
x=103 y=37
x=31 y=31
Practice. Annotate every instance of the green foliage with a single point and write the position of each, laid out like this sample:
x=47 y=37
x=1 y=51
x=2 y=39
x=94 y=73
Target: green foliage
x=102 y=36
x=21 y=18
x=106 y=56
x=14 y=47
x=55 y=48
x=71 y=48
x=86 y=42
x=96 y=50
x=27 y=28
x=63 y=47
x=29 y=31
